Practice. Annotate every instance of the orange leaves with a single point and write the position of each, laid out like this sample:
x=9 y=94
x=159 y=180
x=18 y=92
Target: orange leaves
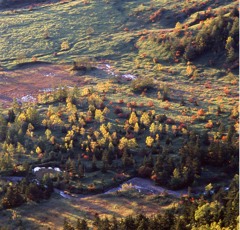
x=226 y=90
x=156 y=15
x=207 y=85
x=234 y=82
x=200 y=112
x=121 y=101
x=150 y=104
x=143 y=55
x=142 y=38
x=170 y=121
x=155 y=60
x=167 y=105
x=224 y=138
x=34 y=59
x=209 y=125
x=132 y=104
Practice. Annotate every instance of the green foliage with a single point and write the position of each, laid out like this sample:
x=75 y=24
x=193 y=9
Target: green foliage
x=3 y=128
x=84 y=63
x=12 y=198
x=208 y=213
x=142 y=83
x=214 y=35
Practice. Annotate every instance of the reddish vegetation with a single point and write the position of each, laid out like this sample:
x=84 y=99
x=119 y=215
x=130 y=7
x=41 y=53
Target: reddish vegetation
x=200 y=112
x=30 y=81
x=150 y=103
x=121 y=101
x=170 y=121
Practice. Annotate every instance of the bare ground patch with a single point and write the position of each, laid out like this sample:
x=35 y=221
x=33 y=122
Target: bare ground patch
x=31 y=80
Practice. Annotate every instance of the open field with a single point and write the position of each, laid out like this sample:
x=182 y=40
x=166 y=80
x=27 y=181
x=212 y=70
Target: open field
x=101 y=29
x=52 y=213
x=108 y=90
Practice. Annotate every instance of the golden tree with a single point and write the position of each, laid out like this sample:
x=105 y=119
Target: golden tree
x=133 y=118
x=145 y=119
x=123 y=143
x=136 y=128
x=153 y=128
x=149 y=141
x=132 y=143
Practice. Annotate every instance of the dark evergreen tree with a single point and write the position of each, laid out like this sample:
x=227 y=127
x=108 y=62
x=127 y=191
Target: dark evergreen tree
x=81 y=225
x=12 y=198
x=232 y=205
x=11 y=116
x=67 y=225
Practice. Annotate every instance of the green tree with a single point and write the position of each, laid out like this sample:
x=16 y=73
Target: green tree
x=67 y=225
x=209 y=212
x=230 y=49
x=232 y=205
x=3 y=128
x=12 y=198
x=81 y=225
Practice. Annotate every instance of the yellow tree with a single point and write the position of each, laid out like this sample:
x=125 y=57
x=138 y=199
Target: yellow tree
x=149 y=141
x=133 y=119
x=145 y=119
x=98 y=114
x=111 y=146
x=106 y=110
x=48 y=133
x=123 y=143
x=230 y=49
x=22 y=117
x=103 y=130
x=38 y=150
x=96 y=134
x=109 y=125
x=132 y=143
x=82 y=131
x=136 y=128
x=153 y=128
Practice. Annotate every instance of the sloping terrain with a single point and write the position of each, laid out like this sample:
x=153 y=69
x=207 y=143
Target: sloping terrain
x=119 y=89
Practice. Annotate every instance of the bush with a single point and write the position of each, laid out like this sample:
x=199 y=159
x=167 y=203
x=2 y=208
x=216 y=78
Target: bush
x=83 y=63
x=142 y=83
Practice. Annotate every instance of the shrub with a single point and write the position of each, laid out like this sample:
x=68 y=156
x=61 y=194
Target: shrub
x=118 y=110
x=65 y=45
x=145 y=171
x=150 y=104
x=142 y=83
x=83 y=63
x=200 y=112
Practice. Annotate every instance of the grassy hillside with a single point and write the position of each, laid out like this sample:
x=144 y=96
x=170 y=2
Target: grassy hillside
x=102 y=29
x=174 y=122
x=51 y=214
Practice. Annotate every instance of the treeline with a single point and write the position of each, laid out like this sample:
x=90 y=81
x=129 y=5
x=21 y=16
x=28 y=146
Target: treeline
x=15 y=194
x=197 y=152
x=218 y=34
x=219 y=211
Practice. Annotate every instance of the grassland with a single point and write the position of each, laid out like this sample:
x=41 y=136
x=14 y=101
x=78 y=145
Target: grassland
x=51 y=214
x=102 y=29
x=117 y=33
